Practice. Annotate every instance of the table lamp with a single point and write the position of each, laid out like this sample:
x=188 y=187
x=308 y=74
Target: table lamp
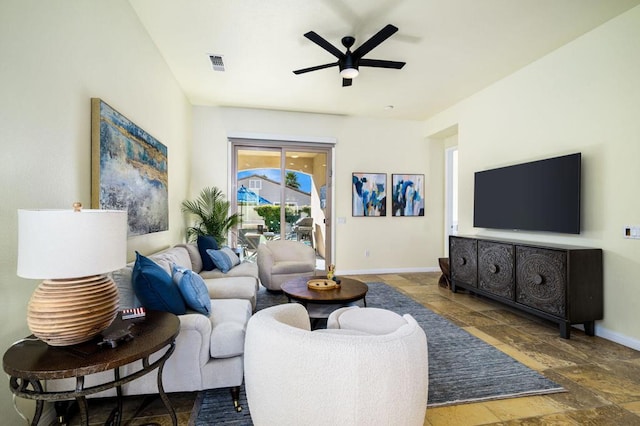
x=71 y=250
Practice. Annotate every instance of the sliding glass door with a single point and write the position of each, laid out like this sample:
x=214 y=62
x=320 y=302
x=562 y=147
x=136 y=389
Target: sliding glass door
x=282 y=190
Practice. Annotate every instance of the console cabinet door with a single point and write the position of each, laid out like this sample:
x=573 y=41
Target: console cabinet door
x=463 y=262
x=495 y=268
x=541 y=279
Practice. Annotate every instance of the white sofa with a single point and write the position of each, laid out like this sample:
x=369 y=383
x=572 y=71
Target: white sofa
x=209 y=350
x=294 y=376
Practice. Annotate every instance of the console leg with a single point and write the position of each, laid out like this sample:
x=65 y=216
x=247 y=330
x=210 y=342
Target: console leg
x=235 y=395
x=590 y=328
x=565 y=328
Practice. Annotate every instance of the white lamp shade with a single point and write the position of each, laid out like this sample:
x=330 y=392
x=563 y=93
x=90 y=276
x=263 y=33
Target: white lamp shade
x=56 y=244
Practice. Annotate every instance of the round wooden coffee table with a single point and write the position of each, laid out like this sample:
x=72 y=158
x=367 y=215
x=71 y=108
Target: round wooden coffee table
x=350 y=291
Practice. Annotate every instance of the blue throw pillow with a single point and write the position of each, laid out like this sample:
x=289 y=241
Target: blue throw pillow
x=154 y=287
x=193 y=289
x=220 y=260
x=207 y=243
x=234 y=260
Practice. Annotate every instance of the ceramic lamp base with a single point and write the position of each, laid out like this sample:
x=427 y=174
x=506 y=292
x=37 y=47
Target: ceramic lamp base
x=71 y=311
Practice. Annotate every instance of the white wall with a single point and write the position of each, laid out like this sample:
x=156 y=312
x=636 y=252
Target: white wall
x=363 y=145
x=584 y=97
x=55 y=56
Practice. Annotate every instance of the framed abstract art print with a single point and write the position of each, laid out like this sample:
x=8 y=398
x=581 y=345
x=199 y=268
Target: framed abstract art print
x=408 y=195
x=128 y=170
x=369 y=194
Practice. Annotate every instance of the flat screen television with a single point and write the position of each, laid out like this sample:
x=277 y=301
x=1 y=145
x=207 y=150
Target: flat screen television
x=540 y=195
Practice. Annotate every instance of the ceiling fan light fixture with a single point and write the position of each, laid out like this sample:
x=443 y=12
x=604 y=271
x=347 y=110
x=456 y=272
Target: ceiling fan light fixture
x=349 y=73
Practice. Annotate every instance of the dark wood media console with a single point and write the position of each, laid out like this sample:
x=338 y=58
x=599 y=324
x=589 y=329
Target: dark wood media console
x=560 y=283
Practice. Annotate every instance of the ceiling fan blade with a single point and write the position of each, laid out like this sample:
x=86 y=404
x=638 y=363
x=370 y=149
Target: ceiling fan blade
x=375 y=40
x=314 y=37
x=346 y=82
x=379 y=63
x=316 y=68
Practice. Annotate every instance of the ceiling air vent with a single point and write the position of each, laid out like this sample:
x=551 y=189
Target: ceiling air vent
x=216 y=61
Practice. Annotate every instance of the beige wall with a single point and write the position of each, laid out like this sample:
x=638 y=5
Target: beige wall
x=584 y=97
x=363 y=145
x=55 y=56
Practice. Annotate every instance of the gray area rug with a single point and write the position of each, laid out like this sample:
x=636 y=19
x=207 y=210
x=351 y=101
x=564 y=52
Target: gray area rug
x=462 y=368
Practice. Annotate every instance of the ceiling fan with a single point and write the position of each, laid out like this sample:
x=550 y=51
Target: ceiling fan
x=349 y=62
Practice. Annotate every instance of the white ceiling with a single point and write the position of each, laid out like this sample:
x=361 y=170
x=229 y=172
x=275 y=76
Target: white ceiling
x=453 y=48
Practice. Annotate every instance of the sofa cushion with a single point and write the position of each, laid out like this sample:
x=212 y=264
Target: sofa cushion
x=193 y=289
x=172 y=256
x=154 y=287
x=194 y=254
x=220 y=260
x=228 y=327
x=205 y=243
x=123 y=279
x=233 y=288
x=245 y=269
x=291 y=267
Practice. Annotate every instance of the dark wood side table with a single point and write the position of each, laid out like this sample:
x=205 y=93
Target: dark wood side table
x=31 y=361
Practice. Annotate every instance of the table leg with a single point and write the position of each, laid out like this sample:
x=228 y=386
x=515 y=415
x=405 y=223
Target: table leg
x=364 y=299
x=82 y=401
x=116 y=416
x=20 y=385
x=163 y=395
x=37 y=386
x=84 y=410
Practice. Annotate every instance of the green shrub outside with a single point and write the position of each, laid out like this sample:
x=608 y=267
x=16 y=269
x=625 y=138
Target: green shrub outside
x=271 y=215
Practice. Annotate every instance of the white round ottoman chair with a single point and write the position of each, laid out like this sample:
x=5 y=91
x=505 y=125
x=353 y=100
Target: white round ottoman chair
x=367 y=320
x=295 y=376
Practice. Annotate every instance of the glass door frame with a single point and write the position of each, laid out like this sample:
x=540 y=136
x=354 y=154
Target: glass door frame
x=451 y=195
x=238 y=144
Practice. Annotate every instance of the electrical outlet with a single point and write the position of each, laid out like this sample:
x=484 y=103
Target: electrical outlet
x=631 y=231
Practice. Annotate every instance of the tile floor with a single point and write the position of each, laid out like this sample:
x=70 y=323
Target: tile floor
x=602 y=378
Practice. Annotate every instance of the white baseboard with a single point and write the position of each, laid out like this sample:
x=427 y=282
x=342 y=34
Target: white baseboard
x=617 y=338
x=387 y=271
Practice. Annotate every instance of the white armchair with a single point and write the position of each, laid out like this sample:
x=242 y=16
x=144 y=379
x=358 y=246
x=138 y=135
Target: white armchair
x=294 y=376
x=282 y=260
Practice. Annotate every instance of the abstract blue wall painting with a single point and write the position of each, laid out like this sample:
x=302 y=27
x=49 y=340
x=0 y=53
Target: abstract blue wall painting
x=369 y=194
x=408 y=195
x=129 y=170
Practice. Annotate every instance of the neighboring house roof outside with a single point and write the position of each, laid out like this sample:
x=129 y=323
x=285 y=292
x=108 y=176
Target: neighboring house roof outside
x=270 y=190
x=257 y=176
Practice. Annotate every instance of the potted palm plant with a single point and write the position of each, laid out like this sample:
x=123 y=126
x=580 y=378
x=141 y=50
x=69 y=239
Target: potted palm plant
x=211 y=211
